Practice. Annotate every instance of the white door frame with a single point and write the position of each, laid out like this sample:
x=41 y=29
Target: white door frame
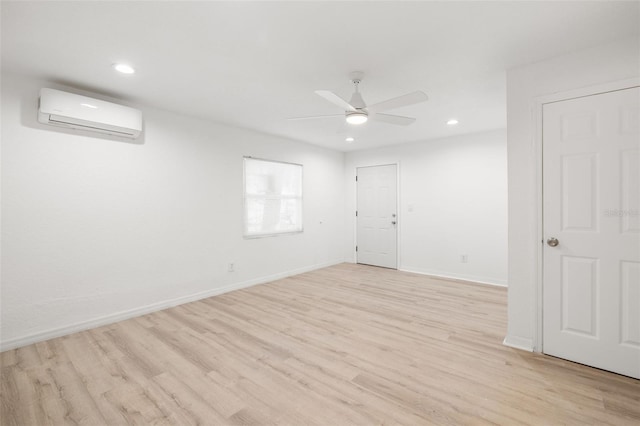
x=539 y=103
x=398 y=212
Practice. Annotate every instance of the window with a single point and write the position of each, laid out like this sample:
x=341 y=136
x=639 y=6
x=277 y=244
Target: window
x=272 y=197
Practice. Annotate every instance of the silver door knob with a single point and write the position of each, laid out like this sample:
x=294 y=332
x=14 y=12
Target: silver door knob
x=553 y=242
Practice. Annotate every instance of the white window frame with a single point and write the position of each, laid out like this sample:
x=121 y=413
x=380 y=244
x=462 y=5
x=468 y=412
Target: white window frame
x=245 y=196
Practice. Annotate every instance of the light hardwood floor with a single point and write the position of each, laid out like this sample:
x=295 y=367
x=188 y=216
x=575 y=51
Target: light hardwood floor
x=349 y=344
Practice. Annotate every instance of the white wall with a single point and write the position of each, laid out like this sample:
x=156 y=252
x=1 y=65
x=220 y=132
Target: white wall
x=457 y=190
x=612 y=62
x=95 y=230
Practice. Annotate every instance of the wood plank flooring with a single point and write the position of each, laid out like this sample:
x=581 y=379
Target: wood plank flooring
x=349 y=344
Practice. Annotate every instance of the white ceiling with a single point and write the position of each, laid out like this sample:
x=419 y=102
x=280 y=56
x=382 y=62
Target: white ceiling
x=253 y=64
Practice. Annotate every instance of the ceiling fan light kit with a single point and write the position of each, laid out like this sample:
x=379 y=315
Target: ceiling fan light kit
x=357 y=112
x=358 y=117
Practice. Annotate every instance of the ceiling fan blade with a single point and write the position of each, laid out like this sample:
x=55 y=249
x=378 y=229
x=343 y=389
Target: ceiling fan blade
x=399 y=120
x=312 y=117
x=400 y=101
x=335 y=99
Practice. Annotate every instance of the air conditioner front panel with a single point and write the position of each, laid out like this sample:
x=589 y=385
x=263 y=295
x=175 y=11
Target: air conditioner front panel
x=75 y=111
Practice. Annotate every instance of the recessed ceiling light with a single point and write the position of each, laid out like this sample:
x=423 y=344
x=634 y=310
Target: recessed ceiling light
x=124 y=68
x=452 y=122
x=349 y=139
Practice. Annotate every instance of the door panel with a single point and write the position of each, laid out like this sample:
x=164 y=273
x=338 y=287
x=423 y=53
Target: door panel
x=630 y=191
x=579 y=294
x=579 y=195
x=591 y=205
x=376 y=231
x=631 y=303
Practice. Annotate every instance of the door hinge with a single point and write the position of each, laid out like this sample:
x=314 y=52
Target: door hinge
x=356 y=213
x=356 y=178
x=356 y=248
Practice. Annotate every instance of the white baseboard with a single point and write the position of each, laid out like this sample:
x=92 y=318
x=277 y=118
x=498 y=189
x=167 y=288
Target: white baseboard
x=143 y=310
x=518 y=343
x=457 y=277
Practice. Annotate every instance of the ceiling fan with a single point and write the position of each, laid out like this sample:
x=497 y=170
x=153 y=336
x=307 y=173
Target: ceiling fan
x=356 y=110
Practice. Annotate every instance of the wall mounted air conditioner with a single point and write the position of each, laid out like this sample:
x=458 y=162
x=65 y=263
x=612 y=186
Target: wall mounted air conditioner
x=80 y=112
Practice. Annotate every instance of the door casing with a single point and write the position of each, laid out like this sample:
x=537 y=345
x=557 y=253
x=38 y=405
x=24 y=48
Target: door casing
x=539 y=230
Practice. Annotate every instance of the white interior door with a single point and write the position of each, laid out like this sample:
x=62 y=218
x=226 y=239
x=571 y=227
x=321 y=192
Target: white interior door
x=377 y=216
x=591 y=196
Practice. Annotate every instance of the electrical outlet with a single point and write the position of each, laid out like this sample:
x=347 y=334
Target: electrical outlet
x=463 y=258
x=231 y=267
